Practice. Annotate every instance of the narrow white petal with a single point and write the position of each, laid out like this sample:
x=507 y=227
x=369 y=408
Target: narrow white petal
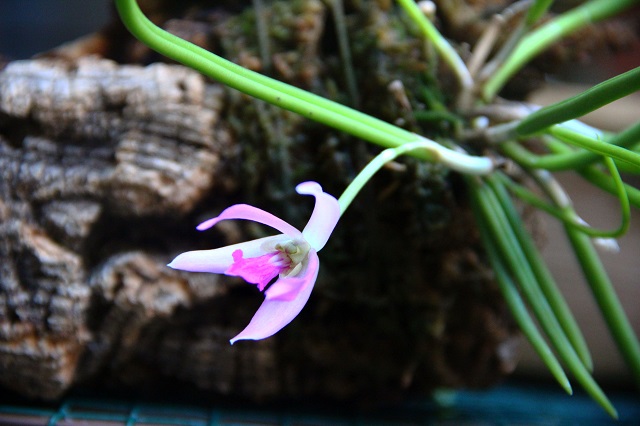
x=219 y=260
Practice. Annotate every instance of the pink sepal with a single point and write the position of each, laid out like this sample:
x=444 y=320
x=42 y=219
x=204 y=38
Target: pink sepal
x=247 y=212
x=324 y=217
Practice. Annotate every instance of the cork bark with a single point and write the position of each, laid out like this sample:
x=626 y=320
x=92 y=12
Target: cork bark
x=86 y=147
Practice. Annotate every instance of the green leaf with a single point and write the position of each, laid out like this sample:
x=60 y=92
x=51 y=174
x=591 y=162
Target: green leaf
x=581 y=104
x=506 y=241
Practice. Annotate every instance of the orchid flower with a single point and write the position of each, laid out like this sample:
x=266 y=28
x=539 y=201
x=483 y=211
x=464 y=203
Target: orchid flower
x=291 y=256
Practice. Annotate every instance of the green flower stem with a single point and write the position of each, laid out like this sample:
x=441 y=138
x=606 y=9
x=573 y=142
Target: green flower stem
x=605 y=295
x=443 y=47
x=616 y=147
x=259 y=86
x=513 y=254
x=544 y=278
x=455 y=160
x=581 y=104
x=519 y=310
x=543 y=37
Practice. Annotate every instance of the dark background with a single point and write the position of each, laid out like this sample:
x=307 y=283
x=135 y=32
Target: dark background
x=31 y=26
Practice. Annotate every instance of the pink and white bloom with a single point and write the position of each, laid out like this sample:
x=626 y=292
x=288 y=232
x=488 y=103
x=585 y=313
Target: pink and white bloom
x=291 y=256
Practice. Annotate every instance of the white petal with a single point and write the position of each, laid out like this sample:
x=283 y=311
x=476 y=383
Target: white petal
x=219 y=260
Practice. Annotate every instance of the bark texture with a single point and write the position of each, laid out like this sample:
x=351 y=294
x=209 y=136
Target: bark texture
x=85 y=147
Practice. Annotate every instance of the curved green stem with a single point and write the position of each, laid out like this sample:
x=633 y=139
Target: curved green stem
x=543 y=37
x=259 y=86
x=623 y=197
x=280 y=94
x=593 y=174
x=454 y=160
x=606 y=182
x=618 y=189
